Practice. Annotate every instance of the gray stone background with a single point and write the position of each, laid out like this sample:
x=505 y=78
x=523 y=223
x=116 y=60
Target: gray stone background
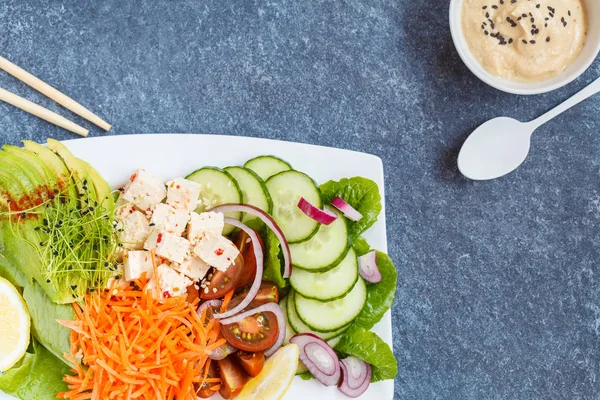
x=499 y=290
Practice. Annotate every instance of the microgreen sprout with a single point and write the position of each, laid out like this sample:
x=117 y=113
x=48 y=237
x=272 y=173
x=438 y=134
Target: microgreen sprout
x=74 y=239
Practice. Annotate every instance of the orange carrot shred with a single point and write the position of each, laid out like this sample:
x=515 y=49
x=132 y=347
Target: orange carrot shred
x=135 y=345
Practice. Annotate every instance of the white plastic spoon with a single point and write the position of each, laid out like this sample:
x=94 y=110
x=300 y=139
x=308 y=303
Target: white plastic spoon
x=500 y=145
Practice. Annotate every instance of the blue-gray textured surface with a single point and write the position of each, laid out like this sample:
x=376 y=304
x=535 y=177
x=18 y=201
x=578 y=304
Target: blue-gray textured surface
x=499 y=294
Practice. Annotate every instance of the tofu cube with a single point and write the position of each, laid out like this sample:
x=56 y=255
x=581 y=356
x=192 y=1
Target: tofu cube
x=134 y=230
x=216 y=251
x=144 y=190
x=193 y=267
x=123 y=208
x=205 y=224
x=183 y=194
x=136 y=263
x=168 y=246
x=172 y=282
x=169 y=219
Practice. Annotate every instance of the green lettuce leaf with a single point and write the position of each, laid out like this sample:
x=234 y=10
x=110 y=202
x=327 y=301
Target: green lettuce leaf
x=38 y=375
x=305 y=376
x=44 y=313
x=273 y=262
x=369 y=347
x=380 y=296
x=360 y=193
x=360 y=245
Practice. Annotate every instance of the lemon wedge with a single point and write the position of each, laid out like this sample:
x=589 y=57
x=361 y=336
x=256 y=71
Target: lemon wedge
x=14 y=325
x=275 y=377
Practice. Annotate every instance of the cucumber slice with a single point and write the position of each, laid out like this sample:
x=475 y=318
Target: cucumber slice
x=267 y=166
x=289 y=331
x=218 y=187
x=300 y=327
x=325 y=250
x=332 y=315
x=330 y=285
x=286 y=188
x=254 y=190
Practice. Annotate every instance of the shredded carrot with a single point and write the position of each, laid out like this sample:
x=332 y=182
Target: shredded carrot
x=134 y=345
x=226 y=300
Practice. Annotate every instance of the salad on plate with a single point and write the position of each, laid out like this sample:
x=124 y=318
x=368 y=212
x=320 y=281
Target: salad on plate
x=226 y=282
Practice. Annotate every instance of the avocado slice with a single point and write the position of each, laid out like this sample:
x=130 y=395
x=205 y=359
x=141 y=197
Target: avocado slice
x=9 y=271
x=103 y=191
x=28 y=182
x=11 y=191
x=21 y=180
x=76 y=168
x=32 y=161
x=54 y=163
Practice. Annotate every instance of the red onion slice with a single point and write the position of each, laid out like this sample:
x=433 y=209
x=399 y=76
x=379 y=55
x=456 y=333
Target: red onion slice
x=346 y=209
x=367 y=267
x=356 y=377
x=324 y=217
x=269 y=307
x=210 y=303
x=319 y=358
x=258 y=253
x=221 y=352
x=270 y=222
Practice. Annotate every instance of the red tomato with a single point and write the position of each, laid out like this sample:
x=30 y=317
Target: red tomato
x=205 y=391
x=244 y=245
x=192 y=294
x=252 y=363
x=255 y=333
x=268 y=293
x=233 y=378
x=217 y=283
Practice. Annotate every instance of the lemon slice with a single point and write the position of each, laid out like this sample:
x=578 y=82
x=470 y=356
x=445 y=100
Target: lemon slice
x=14 y=325
x=275 y=377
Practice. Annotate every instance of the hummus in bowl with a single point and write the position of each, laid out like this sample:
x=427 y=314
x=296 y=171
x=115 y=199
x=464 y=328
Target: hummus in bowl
x=525 y=41
x=526 y=46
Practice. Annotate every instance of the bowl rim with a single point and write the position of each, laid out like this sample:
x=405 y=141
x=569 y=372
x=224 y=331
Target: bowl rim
x=502 y=84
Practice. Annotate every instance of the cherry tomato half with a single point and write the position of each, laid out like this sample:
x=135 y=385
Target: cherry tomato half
x=252 y=363
x=206 y=390
x=268 y=293
x=218 y=283
x=255 y=333
x=244 y=245
x=233 y=377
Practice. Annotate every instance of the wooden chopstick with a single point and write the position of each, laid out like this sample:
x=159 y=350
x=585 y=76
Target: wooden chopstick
x=41 y=112
x=52 y=93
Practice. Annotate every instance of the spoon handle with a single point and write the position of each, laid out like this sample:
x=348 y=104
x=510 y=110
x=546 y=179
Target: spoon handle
x=590 y=90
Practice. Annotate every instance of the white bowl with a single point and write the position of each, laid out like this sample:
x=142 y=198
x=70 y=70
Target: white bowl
x=581 y=64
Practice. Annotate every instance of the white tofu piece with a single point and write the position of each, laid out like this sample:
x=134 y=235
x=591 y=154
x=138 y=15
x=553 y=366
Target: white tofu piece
x=135 y=230
x=183 y=194
x=193 y=267
x=137 y=262
x=169 y=219
x=217 y=251
x=144 y=190
x=168 y=246
x=205 y=224
x=172 y=282
x=123 y=208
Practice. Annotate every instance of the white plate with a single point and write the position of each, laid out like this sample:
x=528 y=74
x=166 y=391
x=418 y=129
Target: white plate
x=170 y=156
